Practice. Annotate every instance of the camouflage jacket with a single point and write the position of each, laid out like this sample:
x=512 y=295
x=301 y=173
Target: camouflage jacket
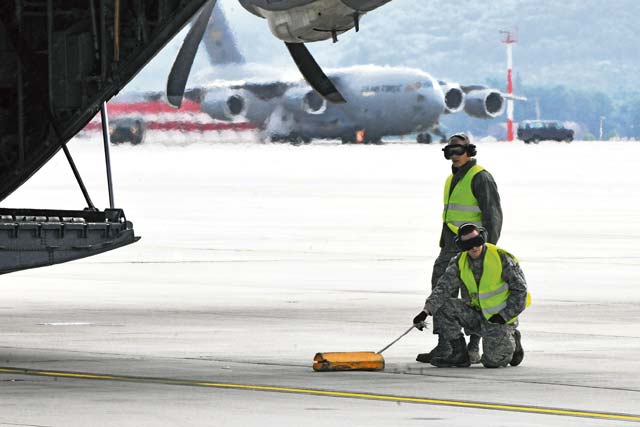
x=450 y=282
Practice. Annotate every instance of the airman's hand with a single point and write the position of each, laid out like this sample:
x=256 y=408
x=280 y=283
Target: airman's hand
x=418 y=321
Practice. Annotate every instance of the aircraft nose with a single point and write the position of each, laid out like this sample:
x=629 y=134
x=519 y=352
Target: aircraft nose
x=431 y=102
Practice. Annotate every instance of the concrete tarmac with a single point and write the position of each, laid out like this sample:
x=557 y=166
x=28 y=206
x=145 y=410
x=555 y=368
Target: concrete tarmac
x=255 y=257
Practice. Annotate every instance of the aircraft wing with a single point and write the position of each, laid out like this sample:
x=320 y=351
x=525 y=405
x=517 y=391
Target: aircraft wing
x=251 y=100
x=471 y=88
x=266 y=91
x=282 y=109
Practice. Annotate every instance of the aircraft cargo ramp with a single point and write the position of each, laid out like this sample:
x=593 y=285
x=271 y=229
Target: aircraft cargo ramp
x=214 y=317
x=32 y=238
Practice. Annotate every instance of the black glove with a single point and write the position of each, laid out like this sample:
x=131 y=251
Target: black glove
x=496 y=318
x=421 y=317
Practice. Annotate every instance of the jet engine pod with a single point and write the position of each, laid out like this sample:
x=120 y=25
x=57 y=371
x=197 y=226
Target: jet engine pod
x=454 y=97
x=225 y=104
x=313 y=103
x=306 y=100
x=484 y=103
x=236 y=105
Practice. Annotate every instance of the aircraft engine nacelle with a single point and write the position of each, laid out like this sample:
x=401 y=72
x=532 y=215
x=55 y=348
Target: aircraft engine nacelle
x=364 y=5
x=484 y=103
x=306 y=100
x=454 y=97
x=225 y=104
x=313 y=103
x=296 y=21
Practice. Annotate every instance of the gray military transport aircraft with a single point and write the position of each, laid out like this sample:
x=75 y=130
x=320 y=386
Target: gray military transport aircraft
x=59 y=63
x=381 y=101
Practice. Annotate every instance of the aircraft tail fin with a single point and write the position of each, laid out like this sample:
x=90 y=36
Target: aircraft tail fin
x=219 y=41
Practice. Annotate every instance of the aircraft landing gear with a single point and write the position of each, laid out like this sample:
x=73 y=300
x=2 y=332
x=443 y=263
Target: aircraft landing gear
x=438 y=132
x=423 y=138
x=292 y=138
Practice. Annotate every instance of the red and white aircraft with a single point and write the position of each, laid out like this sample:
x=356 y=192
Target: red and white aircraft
x=135 y=118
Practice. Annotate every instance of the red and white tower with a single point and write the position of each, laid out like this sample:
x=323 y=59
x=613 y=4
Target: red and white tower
x=509 y=40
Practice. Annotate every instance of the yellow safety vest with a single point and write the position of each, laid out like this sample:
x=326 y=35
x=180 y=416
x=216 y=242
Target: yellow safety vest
x=460 y=205
x=492 y=294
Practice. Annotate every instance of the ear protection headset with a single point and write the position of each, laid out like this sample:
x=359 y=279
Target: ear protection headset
x=471 y=150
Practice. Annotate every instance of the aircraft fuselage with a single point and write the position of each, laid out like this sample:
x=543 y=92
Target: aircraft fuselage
x=380 y=101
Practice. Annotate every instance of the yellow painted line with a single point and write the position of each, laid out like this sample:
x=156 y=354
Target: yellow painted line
x=329 y=393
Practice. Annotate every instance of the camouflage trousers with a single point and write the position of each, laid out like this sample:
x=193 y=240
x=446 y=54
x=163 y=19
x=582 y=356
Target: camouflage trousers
x=498 y=343
x=440 y=265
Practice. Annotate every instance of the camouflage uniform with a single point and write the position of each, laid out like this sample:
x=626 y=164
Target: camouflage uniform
x=484 y=188
x=452 y=314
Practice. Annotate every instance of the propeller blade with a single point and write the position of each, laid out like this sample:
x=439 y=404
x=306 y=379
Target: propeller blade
x=313 y=74
x=177 y=80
